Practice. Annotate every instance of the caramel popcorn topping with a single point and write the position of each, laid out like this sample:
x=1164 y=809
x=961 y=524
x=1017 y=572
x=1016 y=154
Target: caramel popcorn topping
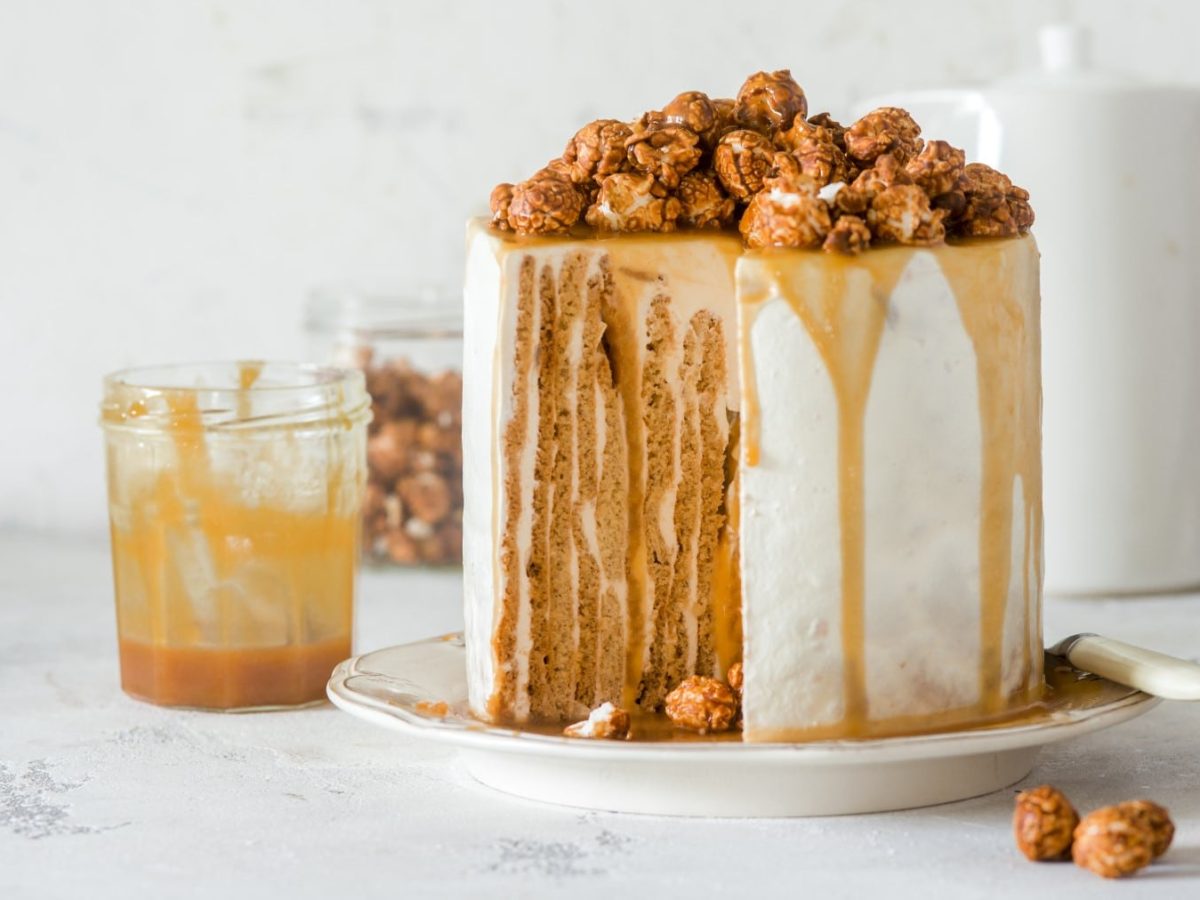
x=666 y=151
x=769 y=101
x=596 y=150
x=693 y=110
x=758 y=162
x=937 y=168
x=632 y=202
x=885 y=130
x=849 y=235
x=786 y=213
x=702 y=202
x=499 y=202
x=902 y=214
x=543 y=205
x=742 y=159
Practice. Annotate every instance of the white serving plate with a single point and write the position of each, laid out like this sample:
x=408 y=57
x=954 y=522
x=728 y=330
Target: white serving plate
x=397 y=686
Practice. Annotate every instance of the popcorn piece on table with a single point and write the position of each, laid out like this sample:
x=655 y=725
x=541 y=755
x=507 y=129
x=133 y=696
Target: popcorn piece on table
x=1043 y=823
x=1113 y=842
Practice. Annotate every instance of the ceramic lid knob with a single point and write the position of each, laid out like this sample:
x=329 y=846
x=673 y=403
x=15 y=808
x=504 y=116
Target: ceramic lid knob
x=1065 y=47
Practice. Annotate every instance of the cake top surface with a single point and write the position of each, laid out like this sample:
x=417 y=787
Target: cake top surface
x=759 y=164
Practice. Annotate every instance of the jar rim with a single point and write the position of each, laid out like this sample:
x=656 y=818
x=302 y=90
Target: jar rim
x=367 y=315
x=233 y=394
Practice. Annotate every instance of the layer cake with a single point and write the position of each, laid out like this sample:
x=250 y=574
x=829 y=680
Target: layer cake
x=686 y=450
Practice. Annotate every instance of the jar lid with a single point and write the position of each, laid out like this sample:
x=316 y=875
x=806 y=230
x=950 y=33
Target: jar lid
x=366 y=315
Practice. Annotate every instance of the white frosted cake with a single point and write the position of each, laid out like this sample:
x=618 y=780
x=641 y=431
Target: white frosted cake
x=693 y=456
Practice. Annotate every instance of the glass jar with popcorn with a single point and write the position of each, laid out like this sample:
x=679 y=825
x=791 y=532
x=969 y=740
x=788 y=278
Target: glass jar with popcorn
x=409 y=347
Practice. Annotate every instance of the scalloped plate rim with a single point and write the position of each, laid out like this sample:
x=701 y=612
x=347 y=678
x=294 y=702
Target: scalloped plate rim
x=458 y=730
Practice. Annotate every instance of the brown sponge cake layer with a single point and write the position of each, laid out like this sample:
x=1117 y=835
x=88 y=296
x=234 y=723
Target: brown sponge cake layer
x=713 y=424
x=659 y=401
x=612 y=533
x=537 y=566
x=583 y=510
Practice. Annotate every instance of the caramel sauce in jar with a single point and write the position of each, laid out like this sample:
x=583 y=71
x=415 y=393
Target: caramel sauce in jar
x=234 y=501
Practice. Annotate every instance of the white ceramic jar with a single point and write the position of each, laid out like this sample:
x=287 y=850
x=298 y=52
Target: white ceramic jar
x=1111 y=165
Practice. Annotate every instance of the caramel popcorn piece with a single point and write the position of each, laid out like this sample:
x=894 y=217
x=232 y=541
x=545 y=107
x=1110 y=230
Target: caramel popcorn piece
x=769 y=101
x=1019 y=208
x=742 y=159
x=1043 y=823
x=631 y=202
x=544 y=205
x=606 y=722
x=665 y=151
x=856 y=197
x=849 y=235
x=902 y=214
x=725 y=113
x=1113 y=842
x=735 y=678
x=702 y=704
x=426 y=495
x=833 y=126
x=817 y=156
x=884 y=130
x=937 y=168
x=1155 y=820
x=413 y=501
x=693 y=110
x=702 y=203
x=597 y=150
x=498 y=203
x=785 y=164
x=995 y=207
x=786 y=213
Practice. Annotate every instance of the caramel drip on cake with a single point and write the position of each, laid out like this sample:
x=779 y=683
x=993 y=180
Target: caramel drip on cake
x=751 y=414
x=727 y=586
x=1000 y=313
x=843 y=306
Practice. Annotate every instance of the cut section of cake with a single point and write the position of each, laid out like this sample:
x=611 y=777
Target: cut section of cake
x=812 y=450
x=601 y=380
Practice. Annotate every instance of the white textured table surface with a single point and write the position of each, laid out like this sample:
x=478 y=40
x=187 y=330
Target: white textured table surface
x=102 y=796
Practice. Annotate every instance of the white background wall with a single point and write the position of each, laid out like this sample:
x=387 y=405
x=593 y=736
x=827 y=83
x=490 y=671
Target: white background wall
x=175 y=177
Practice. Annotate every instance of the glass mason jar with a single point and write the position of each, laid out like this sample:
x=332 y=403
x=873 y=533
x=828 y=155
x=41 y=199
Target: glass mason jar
x=410 y=350
x=234 y=501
